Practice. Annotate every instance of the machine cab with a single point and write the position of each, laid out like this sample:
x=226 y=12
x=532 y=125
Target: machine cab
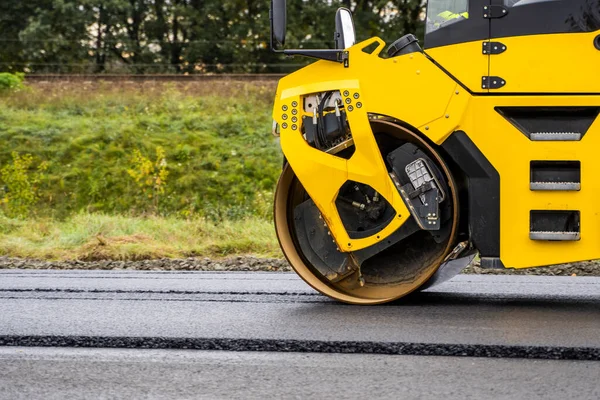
x=517 y=46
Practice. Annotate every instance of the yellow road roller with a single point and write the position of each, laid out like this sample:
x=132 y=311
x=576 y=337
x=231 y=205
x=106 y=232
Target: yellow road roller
x=404 y=163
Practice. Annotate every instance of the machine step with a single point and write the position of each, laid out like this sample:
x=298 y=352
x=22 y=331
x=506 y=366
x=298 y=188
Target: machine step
x=548 y=175
x=555 y=236
x=555 y=225
x=555 y=186
x=555 y=136
x=551 y=124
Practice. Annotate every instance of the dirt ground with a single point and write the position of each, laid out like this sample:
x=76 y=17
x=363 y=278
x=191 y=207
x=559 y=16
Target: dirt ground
x=250 y=263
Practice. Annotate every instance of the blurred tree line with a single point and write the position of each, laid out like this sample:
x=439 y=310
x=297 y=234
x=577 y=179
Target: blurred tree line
x=179 y=36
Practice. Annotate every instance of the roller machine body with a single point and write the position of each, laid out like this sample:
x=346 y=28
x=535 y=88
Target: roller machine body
x=405 y=164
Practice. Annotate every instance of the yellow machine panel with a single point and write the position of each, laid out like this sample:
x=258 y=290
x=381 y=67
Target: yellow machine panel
x=465 y=61
x=511 y=153
x=557 y=63
x=326 y=173
x=378 y=78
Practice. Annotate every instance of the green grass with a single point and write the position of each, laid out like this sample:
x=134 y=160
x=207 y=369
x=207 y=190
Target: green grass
x=222 y=161
x=91 y=237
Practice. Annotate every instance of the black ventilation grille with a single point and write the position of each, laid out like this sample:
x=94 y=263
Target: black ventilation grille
x=551 y=123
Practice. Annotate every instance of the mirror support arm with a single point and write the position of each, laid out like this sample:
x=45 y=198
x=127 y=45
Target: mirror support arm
x=340 y=56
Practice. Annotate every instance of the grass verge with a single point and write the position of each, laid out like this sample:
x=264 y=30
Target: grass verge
x=91 y=237
x=197 y=150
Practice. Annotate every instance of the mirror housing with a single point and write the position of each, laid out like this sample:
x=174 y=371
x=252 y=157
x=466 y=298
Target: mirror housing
x=345 y=38
x=345 y=34
x=278 y=23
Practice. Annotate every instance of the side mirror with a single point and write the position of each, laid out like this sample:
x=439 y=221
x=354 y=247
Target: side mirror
x=345 y=34
x=278 y=22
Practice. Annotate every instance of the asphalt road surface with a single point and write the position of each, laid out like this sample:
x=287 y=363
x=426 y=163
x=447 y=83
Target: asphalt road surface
x=93 y=334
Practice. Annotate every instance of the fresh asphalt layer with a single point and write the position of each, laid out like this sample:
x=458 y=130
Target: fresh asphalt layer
x=65 y=373
x=492 y=316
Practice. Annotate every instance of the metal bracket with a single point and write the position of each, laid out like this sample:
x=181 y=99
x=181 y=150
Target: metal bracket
x=491 y=263
x=450 y=268
x=493 y=48
x=426 y=215
x=494 y=11
x=492 y=82
x=346 y=59
x=320 y=54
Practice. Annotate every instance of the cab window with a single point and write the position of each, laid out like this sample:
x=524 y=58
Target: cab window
x=441 y=13
x=517 y=3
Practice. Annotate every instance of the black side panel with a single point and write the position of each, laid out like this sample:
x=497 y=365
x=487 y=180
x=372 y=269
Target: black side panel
x=484 y=193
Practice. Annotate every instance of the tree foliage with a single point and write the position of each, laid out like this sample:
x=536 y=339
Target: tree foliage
x=183 y=36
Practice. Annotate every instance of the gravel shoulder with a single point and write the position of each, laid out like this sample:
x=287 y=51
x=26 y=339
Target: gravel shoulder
x=251 y=263
x=238 y=263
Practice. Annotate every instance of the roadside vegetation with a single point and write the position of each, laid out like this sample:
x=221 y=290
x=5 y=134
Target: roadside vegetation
x=134 y=170
x=11 y=82
x=93 y=237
